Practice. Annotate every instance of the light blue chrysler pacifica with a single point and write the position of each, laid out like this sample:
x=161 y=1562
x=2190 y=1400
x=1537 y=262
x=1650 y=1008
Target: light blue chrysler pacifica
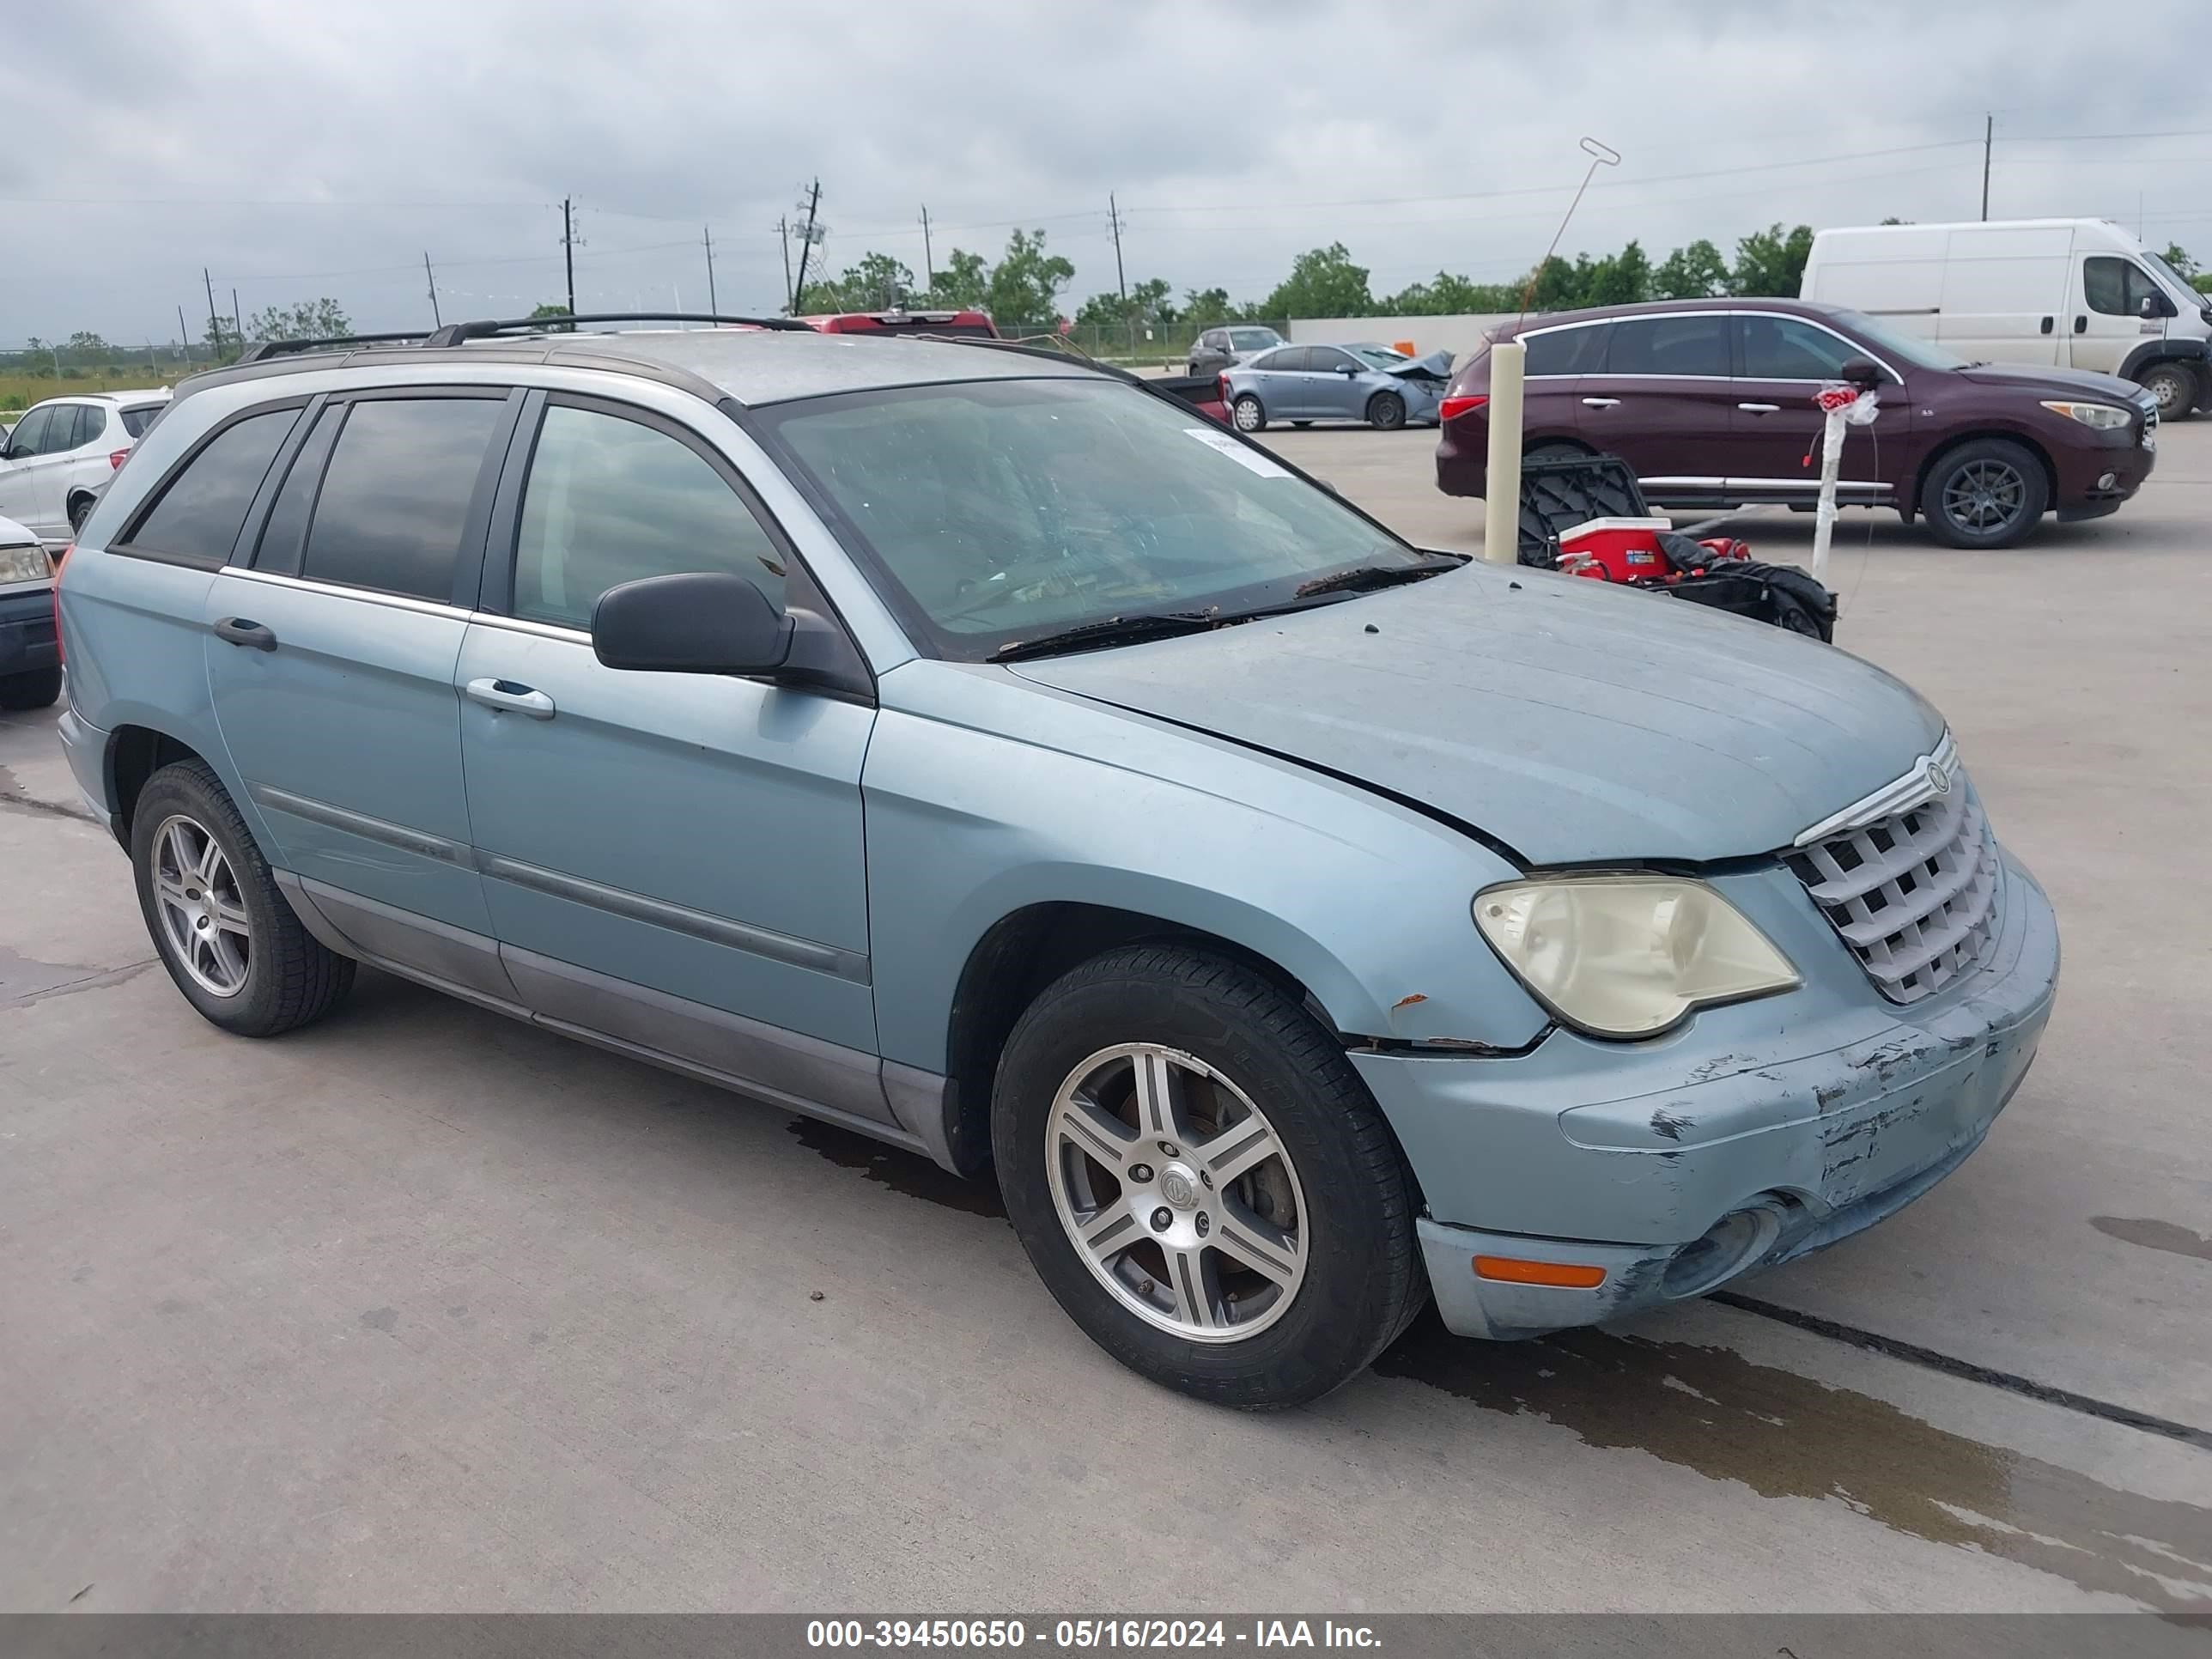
x=969 y=746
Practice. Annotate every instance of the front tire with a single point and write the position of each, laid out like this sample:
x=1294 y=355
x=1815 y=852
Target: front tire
x=1203 y=1181
x=2175 y=385
x=1247 y=414
x=1386 y=411
x=1990 y=493
x=227 y=936
x=38 y=688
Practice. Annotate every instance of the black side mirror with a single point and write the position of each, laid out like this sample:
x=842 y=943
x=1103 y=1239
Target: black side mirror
x=701 y=622
x=2153 y=308
x=1863 y=372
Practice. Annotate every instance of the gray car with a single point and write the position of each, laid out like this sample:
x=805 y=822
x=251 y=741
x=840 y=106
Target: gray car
x=968 y=747
x=1231 y=342
x=1368 y=382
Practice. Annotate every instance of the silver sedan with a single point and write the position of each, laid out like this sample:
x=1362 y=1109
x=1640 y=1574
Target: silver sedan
x=1302 y=384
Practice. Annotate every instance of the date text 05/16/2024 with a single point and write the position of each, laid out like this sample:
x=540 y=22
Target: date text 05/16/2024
x=1084 y=1635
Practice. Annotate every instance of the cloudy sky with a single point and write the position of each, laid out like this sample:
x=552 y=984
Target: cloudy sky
x=298 y=149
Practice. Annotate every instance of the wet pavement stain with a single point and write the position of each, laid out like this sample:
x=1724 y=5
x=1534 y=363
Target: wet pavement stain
x=2153 y=1234
x=1784 y=1436
x=902 y=1171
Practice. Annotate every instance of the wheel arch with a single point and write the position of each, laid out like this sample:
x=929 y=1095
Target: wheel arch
x=1936 y=456
x=2191 y=354
x=135 y=753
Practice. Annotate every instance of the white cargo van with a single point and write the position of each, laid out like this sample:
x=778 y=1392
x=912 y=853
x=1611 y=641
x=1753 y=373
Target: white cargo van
x=2077 y=293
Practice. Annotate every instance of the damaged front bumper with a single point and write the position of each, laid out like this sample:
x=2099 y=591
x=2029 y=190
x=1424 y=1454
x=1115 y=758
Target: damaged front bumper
x=1751 y=1136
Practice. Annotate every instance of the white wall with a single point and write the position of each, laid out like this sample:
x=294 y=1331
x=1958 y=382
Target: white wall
x=1457 y=335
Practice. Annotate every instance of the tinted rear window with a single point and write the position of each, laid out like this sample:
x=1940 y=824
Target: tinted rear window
x=395 y=496
x=1696 y=344
x=135 y=421
x=1567 y=351
x=200 y=514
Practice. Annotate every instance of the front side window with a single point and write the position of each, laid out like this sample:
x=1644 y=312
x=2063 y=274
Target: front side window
x=2116 y=288
x=1566 y=351
x=1328 y=360
x=198 y=516
x=1002 y=510
x=29 y=437
x=611 y=501
x=395 y=496
x=1787 y=348
x=1693 y=344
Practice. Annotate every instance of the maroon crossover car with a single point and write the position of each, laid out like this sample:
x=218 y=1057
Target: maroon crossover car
x=1711 y=402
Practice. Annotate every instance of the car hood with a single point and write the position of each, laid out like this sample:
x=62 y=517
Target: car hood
x=1437 y=366
x=2058 y=382
x=1576 y=724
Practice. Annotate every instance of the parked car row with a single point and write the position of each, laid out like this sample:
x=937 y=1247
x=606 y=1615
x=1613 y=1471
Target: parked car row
x=58 y=456
x=1516 y=944
x=1369 y=382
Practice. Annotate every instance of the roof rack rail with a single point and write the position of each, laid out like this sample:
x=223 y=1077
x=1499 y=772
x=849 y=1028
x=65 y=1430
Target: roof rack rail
x=260 y=351
x=454 y=333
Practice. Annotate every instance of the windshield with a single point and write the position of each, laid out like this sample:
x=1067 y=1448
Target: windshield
x=1379 y=356
x=1895 y=342
x=997 y=511
x=2176 y=282
x=1253 y=339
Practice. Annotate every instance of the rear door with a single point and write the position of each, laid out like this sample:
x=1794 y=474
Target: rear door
x=1783 y=361
x=1279 y=380
x=1666 y=400
x=331 y=664
x=2106 y=321
x=696 y=835
x=1553 y=402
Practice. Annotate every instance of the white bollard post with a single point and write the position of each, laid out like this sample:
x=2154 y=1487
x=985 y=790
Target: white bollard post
x=1501 y=502
x=1824 y=517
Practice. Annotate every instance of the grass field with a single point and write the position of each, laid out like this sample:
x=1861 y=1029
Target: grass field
x=19 y=391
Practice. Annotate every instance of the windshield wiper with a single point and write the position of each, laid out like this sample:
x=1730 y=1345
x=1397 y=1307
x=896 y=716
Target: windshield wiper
x=1366 y=578
x=1111 y=630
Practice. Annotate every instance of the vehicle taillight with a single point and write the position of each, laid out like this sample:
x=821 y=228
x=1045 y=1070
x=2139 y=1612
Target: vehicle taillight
x=1221 y=387
x=117 y=457
x=1453 y=407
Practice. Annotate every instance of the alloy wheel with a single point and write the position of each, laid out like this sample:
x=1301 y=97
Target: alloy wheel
x=202 y=909
x=1177 y=1192
x=1247 y=413
x=1985 y=496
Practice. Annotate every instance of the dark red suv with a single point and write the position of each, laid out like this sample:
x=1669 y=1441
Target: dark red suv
x=1711 y=401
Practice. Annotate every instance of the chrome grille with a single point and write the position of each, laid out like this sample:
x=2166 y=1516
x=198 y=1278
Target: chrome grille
x=1913 y=893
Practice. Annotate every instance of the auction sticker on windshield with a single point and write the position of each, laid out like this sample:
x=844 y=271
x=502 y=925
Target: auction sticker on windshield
x=1243 y=454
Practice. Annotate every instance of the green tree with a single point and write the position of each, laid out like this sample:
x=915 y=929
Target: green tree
x=1695 y=272
x=309 y=319
x=2177 y=256
x=1771 y=263
x=1204 y=307
x=549 y=309
x=1025 y=283
x=1619 y=279
x=964 y=284
x=1447 y=295
x=1557 y=286
x=1323 y=282
x=878 y=282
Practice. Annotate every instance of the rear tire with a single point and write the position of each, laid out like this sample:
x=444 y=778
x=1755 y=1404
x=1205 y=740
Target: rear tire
x=2176 y=386
x=1167 y=1287
x=1987 y=493
x=226 y=933
x=1386 y=411
x=39 y=688
x=80 y=509
x=1247 y=414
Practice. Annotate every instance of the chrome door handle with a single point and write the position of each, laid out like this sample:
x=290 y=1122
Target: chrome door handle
x=1600 y=403
x=1758 y=408
x=505 y=695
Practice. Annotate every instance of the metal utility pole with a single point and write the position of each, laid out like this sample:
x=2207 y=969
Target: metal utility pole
x=568 y=248
x=1989 y=132
x=707 y=236
x=237 y=322
x=184 y=340
x=431 y=279
x=928 y=264
x=214 y=319
x=806 y=239
x=1120 y=280
x=783 y=235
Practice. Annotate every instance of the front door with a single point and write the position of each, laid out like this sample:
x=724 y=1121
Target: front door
x=331 y=664
x=2106 y=318
x=1782 y=362
x=696 y=835
x=1332 y=388
x=1664 y=402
